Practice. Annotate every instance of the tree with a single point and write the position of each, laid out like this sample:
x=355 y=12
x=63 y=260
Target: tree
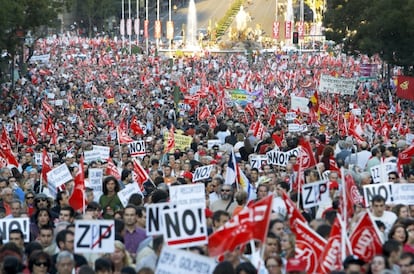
x=18 y=18
x=374 y=27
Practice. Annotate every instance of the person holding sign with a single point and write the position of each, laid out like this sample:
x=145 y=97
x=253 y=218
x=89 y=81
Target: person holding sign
x=109 y=200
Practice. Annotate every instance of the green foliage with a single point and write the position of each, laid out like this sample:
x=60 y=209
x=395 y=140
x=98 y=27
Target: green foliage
x=225 y=22
x=381 y=27
x=19 y=17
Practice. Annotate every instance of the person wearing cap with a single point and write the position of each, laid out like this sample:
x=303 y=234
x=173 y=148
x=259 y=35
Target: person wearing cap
x=353 y=264
x=295 y=266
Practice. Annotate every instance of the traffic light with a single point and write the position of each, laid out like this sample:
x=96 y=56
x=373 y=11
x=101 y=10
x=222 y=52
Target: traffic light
x=295 y=37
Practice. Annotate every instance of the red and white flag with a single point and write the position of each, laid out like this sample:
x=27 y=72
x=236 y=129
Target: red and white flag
x=139 y=174
x=47 y=107
x=365 y=239
x=135 y=126
x=47 y=165
x=251 y=223
x=123 y=137
x=18 y=132
x=306 y=154
x=31 y=137
x=331 y=258
x=77 y=199
x=353 y=197
x=112 y=170
x=204 y=113
x=309 y=246
x=293 y=212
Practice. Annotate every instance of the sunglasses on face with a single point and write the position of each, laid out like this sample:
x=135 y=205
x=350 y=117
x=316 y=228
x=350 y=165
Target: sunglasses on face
x=40 y=263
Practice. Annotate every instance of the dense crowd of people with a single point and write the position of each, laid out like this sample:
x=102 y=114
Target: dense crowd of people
x=86 y=89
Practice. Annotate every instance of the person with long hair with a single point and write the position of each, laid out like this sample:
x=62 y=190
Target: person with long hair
x=109 y=200
x=288 y=245
x=120 y=257
x=42 y=217
x=377 y=265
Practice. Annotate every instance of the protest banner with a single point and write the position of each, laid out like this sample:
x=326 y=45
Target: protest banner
x=184 y=226
x=299 y=103
x=314 y=194
x=297 y=128
x=91 y=155
x=43 y=58
x=280 y=158
x=176 y=261
x=182 y=142
x=258 y=160
x=202 y=173
x=393 y=193
x=188 y=195
x=104 y=151
x=213 y=142
x=380 y=172
x=8 y=224
x=95 y=179
x=94 y=236
x=137 y=148
x=337 y=85
x=290 y=116
x=126 y=192
x=59 y=175
x=383 y=189
x=154 y=223
x=38 y=158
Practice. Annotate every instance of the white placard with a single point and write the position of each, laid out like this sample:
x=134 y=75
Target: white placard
x=137 y=148
x=38 y=158
x=126 y=192
x=185 y=226
x=290 y=116
x=8 y=224
x=202 y=173
x=280 y=158
x=380 y=172
x=59 y=175
x=300 y=103
x=258 y=160
x=314 y=194
x=356 y=111
x=297 y=128
x=344 y=86
x=383 y=189
x=188 y=195
x=94 y=236
x=176 y=261
x=59 y=102
x=103 y=151
x=403 y=194
x=154 y=222
x=91 y=155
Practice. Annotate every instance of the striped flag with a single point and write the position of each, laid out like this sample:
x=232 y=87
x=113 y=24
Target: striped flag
x=139 y=174
x=235 y=175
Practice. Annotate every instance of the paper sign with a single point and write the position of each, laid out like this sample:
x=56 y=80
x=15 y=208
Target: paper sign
x=188 y=195
x=125 y=193
x=202 y=173
x=8 y=224
x=94 y=236
x=314 y=194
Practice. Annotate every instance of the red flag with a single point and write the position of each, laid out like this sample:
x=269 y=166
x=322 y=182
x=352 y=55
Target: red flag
x=135 y=126
x=306 y=154
x=87 y=105
x=112 y=170
x=123 y=91
x=251 y=223
x=108 y=92
x=170 y=140
x=18 y=132
x=405 y=87
x=47 y=107
x=404 y=157
x=250 y=109
x=31 y=137
x=212 y=122
x=8 y=155
x=47 y=165
x=331 y=255
x=353 y=197
x=293 y=212
x=77 y=199
x=140 y=175
x=49 y=127
x=309 y=246
x=123 y=137
x=365 y=240
x=272 y=121
x=281 y=108
x=204 y=113
x=5 y=139
x=398 y=108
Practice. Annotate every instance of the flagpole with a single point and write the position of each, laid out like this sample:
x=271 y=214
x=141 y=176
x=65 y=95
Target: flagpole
x=343 y=222
x=119 y=145
x=298 y=178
